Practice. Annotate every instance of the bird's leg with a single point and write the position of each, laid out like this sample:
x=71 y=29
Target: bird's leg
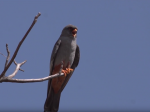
x=67 y=70
x=64 y=71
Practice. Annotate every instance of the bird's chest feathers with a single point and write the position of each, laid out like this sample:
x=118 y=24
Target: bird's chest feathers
x=66 y=52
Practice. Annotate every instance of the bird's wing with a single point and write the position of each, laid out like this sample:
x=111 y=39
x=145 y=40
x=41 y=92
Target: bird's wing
x=74 y=65
x=52 y=61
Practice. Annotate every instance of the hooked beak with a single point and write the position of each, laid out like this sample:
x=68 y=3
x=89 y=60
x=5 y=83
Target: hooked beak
x=74 y=32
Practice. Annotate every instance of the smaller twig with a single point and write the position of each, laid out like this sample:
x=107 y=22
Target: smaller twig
x=7 y=58
x=8 y=55
x=61 y=67
x=19 y=68
x=2 y=54
x=16 y=70
x=36 y=17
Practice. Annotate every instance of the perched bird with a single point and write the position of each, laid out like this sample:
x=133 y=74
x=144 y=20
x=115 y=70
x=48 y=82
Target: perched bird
x=67 y=51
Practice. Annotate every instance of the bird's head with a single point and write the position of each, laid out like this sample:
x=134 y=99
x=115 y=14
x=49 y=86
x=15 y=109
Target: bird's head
x=69 y=31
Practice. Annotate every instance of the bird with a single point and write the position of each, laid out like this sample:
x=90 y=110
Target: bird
x=65 y=52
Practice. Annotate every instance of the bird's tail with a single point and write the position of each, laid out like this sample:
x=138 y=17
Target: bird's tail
x=52 y=101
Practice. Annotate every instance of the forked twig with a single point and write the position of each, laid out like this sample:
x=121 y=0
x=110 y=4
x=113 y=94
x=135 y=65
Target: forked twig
x=18 y=65
x=20 y=43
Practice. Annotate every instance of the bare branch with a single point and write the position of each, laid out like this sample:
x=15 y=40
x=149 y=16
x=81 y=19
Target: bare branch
x=19 y=68
x=18 y=65
x=7 y=58
x=6 y=79
x=20 y=43
x=8 y=55
x=3 y=78
x=16 y=70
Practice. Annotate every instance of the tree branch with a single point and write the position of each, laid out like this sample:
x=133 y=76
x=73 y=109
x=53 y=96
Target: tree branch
x=18 y=47
x=6 y=79
x=8 y=55
x=16 y=70
x=7 y=58
x=18 y=65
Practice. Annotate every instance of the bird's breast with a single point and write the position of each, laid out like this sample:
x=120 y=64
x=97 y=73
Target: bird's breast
x=66 y=53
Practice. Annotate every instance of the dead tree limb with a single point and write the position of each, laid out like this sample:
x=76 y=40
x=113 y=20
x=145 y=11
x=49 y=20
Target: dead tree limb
x=4 y=78
x=18 y=65
x=19 y=45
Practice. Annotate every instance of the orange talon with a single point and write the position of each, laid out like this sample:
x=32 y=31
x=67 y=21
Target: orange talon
x=67 y=71
x=64 y=71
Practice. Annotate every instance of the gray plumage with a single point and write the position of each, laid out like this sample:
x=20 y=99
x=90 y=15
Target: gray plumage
x=65 y=49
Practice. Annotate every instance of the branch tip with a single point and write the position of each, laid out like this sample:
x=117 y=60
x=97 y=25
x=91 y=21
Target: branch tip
x=23 y=62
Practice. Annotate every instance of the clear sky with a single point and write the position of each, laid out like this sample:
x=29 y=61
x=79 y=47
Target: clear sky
x=114 y=40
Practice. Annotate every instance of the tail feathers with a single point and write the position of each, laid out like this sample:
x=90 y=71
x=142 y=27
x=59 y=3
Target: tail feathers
x=52 y=102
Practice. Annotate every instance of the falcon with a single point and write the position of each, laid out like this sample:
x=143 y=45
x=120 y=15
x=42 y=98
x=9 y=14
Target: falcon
x=66 y=52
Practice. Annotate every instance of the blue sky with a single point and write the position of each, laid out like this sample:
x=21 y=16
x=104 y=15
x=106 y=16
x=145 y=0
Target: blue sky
x=113 y=36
